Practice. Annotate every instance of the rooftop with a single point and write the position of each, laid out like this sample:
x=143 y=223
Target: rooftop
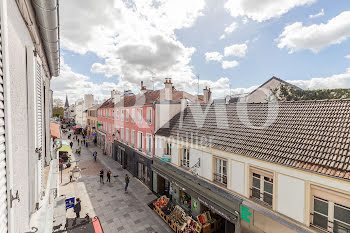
x=308 y=135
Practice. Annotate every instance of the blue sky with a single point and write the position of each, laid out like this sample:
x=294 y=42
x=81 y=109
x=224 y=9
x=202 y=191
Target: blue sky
x=116 y=45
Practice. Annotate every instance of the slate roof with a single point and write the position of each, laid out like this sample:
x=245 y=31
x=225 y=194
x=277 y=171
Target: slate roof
x=309 y=135
x=147 y=98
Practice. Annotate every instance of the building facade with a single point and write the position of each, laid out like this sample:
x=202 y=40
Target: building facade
x=91 y=124
x=28 y=63
x=290 y=174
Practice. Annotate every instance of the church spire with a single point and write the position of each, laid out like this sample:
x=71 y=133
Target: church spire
x=66 y=104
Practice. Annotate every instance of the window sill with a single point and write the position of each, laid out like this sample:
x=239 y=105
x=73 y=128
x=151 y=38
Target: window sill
x=220 y=184
x=256 y=200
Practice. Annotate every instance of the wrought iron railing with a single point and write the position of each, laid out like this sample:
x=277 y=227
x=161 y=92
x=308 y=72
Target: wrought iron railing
x=220 y=178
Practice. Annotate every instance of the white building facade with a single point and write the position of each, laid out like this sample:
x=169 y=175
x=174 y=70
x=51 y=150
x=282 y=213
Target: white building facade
x=288 y=178
x=25 y=142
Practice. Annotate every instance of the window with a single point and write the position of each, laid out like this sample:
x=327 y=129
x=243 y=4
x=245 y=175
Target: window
x=127 y=115
x=262 y=187
x=149 y=116
x=329 y=215
x=168 y=148
x=220 y=174
x=139 y=140
x=127 y=136
x=185 y=158
x=133 y=138
x=122 y=115
x=122 y=134
x=133 y=115
x=140 y=115
x=117 y=114
x=149 y=144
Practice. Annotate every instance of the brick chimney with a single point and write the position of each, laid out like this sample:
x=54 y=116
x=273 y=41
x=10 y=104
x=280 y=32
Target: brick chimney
x=143 y=88
x=207 y=95
x=168 y=89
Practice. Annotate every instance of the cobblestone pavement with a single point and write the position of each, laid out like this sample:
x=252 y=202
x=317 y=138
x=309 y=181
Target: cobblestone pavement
x=118 y=211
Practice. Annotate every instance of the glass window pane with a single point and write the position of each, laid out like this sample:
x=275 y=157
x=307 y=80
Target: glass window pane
x=256 y=193
x=268 y=187
x=321 y=206
x=341 y=227
x=268 y=198
x=256 y=182
x=320 y=221
x=342 y=213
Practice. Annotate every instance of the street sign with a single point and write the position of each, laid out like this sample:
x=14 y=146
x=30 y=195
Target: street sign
x=245 y=214
x=70 y=202
x=165 y=158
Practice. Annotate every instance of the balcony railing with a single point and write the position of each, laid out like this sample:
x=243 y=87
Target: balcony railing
x=220 y=178
x=185 y=163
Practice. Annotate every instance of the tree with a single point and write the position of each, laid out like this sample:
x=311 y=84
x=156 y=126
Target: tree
x=58 y=112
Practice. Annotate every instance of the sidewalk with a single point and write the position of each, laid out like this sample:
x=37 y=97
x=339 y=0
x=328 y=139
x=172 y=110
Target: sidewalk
x=118 y=211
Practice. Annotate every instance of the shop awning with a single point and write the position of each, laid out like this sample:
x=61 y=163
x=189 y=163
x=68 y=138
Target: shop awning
x=226 y=205
x=55 y=130
x=65 y=148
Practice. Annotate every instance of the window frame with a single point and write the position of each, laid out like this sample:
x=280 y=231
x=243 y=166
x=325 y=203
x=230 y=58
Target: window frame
x=148 y=141
x=127 y=112
x=149 y=121
x=219 y=176
x=133 y=115
x=140 y=116
x=263 y=174
x=127 y=135
x=133 y=138
x=122 y=115
x=140 y=136
x=185 y=162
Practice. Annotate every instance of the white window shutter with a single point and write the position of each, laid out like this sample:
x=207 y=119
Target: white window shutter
x=3 y=181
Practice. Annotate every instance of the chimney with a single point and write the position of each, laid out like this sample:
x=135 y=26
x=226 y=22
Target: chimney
x=168 y=89
x=183 y=104
x=207 y=95
x=115 y=95
x=143 y=88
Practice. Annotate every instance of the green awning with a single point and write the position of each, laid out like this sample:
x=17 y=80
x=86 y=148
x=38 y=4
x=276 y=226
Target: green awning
x=65 y=148
x=228 y=209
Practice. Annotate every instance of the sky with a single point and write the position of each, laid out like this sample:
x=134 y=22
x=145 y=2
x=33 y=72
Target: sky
x=230 y=46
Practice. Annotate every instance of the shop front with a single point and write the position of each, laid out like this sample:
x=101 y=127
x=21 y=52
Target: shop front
x=135 y=162
x=211 y=209
x=101 y=140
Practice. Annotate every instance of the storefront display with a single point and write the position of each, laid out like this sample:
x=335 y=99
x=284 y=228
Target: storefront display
x=175 y=216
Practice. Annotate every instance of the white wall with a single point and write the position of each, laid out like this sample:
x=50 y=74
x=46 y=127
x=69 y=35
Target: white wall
x=206 y=169
x=290 y=193
x=237 y=177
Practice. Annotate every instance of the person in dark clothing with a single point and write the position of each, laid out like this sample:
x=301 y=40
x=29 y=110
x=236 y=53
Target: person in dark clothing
x=78 y=141
x=101 y=176
x=77 y=208
x=95 y=155
x=126 y=182
x=87 y=144
x=109 y=173
x=71 y=144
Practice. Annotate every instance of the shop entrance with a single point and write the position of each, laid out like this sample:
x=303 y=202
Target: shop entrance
x=142 y=172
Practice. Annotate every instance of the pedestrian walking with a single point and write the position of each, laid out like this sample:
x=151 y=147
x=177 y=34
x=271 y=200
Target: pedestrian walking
x=70 y=176
x=95 y=155
x=109 y=173
x=101 y=176
x=126 y=182
x=71 y=144
x=77 y=208
x=78 y=141
x=87 y=144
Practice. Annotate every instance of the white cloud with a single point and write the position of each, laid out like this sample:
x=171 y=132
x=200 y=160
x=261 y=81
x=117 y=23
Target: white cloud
x=245 y=20
x=75 y=85
x=317 y=36
x=321 y=13
x=347 y=56
x=231 y=28
x=229 y=64
x=334 y=81
x=259 y=10
x=213 y=56
x=236 y=50
x=228 y=30
x=134 y=38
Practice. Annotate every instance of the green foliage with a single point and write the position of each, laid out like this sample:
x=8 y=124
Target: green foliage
x=288 y=93
x=58 y=112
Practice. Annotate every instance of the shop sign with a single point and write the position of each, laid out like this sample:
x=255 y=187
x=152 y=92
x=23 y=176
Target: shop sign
x=70 y=202
x=245 y=213
x=215 y=209
x=195 y=205
x=165 y=158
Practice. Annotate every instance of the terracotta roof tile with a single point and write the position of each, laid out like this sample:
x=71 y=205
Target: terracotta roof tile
x=311 y=135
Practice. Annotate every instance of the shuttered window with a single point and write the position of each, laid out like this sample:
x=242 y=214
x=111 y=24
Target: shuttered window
x=3 y=190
